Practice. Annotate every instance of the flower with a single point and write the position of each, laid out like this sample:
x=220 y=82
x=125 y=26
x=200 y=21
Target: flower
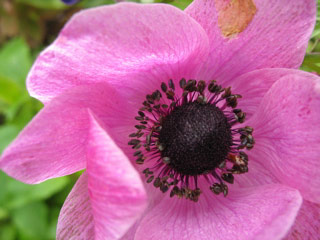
x=97 y=73
x=70 y=2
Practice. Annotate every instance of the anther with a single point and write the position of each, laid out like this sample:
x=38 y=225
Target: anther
x=232 y=101
x=228 y=177
x=191 y=86
x=137 y=153
x=216 y=188
x=183 y=83
x=146 y=170
x=239 y=115
x=174 y=191
x=157 y=182
x=133 y=134
x=171 y=84
x=190 y=137
x=137 y=146
x=134 y=142
x=201 y=86
x=150 y=179
x=156 y=95
x=138 y=135
x=214 y=88
x=164 y=87
x=140 y=127
x=227 y=92
x=140 y=160
x=170 y=94
x=248 y=129
x=164 y=188
x=141 y=114
x=150 y=99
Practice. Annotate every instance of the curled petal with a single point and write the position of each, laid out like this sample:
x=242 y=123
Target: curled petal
x=108 y=198
x=287 y=133
x=76 y=218
x=117 y=193
x=54 y=143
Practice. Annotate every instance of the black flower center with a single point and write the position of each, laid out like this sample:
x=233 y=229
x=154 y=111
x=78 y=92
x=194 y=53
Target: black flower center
x=182 y=138
x=196 y=138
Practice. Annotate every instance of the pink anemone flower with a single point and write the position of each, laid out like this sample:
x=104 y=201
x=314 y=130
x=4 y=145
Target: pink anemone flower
x=190 y=124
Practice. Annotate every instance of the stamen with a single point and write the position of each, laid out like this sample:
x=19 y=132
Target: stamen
x=191 y=136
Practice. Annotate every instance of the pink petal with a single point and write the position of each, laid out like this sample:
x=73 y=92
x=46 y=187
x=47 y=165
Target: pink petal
x=256 y=176
x=277 y=36
x=108 y=198
x=264 y=213
x=307 y=224
x=116 y=190
x=125 y=44
x=252 y=86
x=76 y=218
x=287 y=133
x=53 y=144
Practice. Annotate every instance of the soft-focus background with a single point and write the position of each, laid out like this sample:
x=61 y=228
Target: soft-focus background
x=30 y=212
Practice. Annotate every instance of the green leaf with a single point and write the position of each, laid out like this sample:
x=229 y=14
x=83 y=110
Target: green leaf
x=7 y=232
x=3 y=214
x=53 y=221
x=31 y=221
x=10 y=91
x=22 y=112
x=182 y=4
x=310 y=67
x=17 y=194
x=312 y=58
x=4 y=185
x=7 y=134
x=44 y=4
x=316 y=31
x=94 y=3
x=32 y=26
x=15 y=61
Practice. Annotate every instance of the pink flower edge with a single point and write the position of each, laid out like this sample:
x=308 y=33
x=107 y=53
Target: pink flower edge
x=264 y=212
x=111 y=44
x=108 y=198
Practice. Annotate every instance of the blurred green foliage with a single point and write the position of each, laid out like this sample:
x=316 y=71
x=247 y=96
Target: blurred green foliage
x=311 y=61
x=30 y=212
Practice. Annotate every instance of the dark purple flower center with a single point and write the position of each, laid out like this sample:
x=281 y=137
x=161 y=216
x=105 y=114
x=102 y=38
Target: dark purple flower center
x=183 y=138
x=197 y=138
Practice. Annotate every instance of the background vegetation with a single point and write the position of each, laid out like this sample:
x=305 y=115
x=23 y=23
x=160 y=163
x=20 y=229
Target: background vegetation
x=30 y=212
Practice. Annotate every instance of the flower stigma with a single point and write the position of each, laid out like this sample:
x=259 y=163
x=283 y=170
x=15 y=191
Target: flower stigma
x=192 y=135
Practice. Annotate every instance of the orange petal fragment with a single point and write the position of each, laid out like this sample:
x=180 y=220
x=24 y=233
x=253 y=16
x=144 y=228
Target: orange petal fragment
x=234 y=17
